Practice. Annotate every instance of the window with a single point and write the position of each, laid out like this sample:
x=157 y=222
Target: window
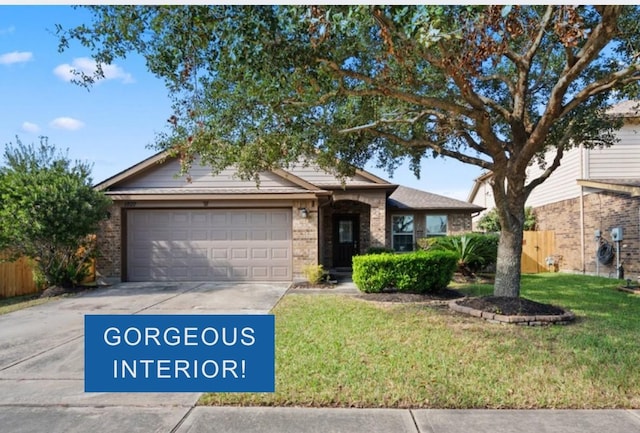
x=345 y=231
x=436 y=225
x=402 y=232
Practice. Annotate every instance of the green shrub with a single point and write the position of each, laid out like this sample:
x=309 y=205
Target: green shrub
x=314 y=273
x=417 y=272
x=476 y=251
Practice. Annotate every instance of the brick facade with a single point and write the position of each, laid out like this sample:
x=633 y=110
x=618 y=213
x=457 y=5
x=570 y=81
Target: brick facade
x=109 y=242
x=312 y=237
x=602 y=211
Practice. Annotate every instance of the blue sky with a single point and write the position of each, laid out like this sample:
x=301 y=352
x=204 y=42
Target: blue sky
x=113 y=124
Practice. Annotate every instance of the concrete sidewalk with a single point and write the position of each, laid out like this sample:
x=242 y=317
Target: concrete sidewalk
x=307 y=420
x=182 y=419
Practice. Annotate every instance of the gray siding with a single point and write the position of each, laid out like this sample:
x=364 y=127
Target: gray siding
x=620 y=161
x=561 y=185
x=165 y=176
x=315 y=175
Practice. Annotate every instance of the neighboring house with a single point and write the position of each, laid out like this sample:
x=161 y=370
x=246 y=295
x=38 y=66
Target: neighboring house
x=206 y=228
x=593 y=190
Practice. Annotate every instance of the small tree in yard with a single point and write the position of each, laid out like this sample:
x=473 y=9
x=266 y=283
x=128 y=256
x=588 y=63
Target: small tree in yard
x=48 y=210
x=490 y=221
x=497 y=87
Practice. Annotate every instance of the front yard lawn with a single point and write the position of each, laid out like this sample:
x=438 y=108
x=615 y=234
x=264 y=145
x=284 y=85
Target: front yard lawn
x=339 y=351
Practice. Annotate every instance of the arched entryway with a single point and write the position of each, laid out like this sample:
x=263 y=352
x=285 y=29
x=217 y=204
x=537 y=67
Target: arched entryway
x=346 y=232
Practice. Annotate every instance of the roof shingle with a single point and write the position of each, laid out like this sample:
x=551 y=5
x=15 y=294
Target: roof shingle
x=409 y=198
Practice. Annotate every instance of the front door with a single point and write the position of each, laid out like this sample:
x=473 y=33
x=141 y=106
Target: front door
x=346 y=239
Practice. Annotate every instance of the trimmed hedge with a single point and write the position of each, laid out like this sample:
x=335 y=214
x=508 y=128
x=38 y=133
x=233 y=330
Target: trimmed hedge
x=417 y=272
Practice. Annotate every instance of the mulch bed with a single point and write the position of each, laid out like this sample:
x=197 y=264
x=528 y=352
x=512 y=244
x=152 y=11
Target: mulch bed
x=400 y=297
x=511 y=306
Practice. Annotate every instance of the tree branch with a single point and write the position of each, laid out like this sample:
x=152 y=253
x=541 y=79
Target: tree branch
x=549 y=170
x=377 y=90
x=437 y=147
x=596 y=41
x=621 y=77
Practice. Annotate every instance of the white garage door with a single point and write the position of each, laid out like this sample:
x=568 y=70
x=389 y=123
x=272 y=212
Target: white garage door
x=209 y=245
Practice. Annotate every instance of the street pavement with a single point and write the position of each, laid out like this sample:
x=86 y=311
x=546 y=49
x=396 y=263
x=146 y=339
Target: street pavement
x=42 y=378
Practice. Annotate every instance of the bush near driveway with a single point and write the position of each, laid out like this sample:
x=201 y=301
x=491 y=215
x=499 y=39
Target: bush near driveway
x=417 y=272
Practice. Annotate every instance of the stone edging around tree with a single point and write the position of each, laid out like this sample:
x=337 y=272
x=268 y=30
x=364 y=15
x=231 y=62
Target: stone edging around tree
x=562 y=319
x=634 y=290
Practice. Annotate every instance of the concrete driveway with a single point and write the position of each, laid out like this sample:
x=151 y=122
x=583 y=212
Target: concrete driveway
x=42 y=356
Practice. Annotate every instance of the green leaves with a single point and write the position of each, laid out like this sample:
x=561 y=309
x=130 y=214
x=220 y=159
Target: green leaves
x=48 y=208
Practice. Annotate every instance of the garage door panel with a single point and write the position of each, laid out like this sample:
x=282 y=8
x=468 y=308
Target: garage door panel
x=219 y=235
x=258 y=272
x=281 y=272
x=280 y=253
x=239 y=253
x=259 y=235
x=239 y=235
x=260 y=219
x=199 y=220
x=279 y=235
x=259 y=253
x=212 y=244
x=240 y=272
x=280 y=217
x=199 y=235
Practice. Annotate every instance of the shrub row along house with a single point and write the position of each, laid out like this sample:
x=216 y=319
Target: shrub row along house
x=218 y=227
x=593 y=191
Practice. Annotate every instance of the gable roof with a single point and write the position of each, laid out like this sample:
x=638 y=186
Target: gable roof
x=154 y=178
x=409 y=198
x=626 y=109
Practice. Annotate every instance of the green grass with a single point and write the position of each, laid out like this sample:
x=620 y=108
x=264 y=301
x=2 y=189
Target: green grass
x=337 y=351
x=7 y=305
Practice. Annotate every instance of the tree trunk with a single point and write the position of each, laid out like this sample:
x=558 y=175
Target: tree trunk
x=508 y=264
x=510 y=207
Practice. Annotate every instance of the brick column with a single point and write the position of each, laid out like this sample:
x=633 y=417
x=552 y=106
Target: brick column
x=109 y=242
x=305 y=237
x=378 y=220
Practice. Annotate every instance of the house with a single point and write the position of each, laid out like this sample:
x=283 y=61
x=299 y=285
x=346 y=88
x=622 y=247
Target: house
x=164 y=227
x=592 y=192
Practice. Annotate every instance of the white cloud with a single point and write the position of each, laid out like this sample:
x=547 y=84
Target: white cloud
x=67 y=123
x=7 y=30
x=15 y=57
x=88 y=66
x=30 y=127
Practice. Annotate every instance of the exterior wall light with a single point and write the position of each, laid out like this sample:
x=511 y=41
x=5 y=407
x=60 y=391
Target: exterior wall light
x=304 y=213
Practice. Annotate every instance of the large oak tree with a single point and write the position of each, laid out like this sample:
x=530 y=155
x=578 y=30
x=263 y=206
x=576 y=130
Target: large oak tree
x=496 y=87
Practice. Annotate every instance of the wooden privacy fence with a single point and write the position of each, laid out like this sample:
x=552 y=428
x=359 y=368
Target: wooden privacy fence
x=16 y=278
x=539 y=252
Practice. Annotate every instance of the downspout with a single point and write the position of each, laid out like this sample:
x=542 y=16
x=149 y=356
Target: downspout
x=582 y=246
x=582 y=230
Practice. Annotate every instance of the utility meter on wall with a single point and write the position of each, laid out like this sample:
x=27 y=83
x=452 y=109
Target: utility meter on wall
x=616 y=234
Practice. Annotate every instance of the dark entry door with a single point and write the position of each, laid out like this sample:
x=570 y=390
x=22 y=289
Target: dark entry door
x=346 y=239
